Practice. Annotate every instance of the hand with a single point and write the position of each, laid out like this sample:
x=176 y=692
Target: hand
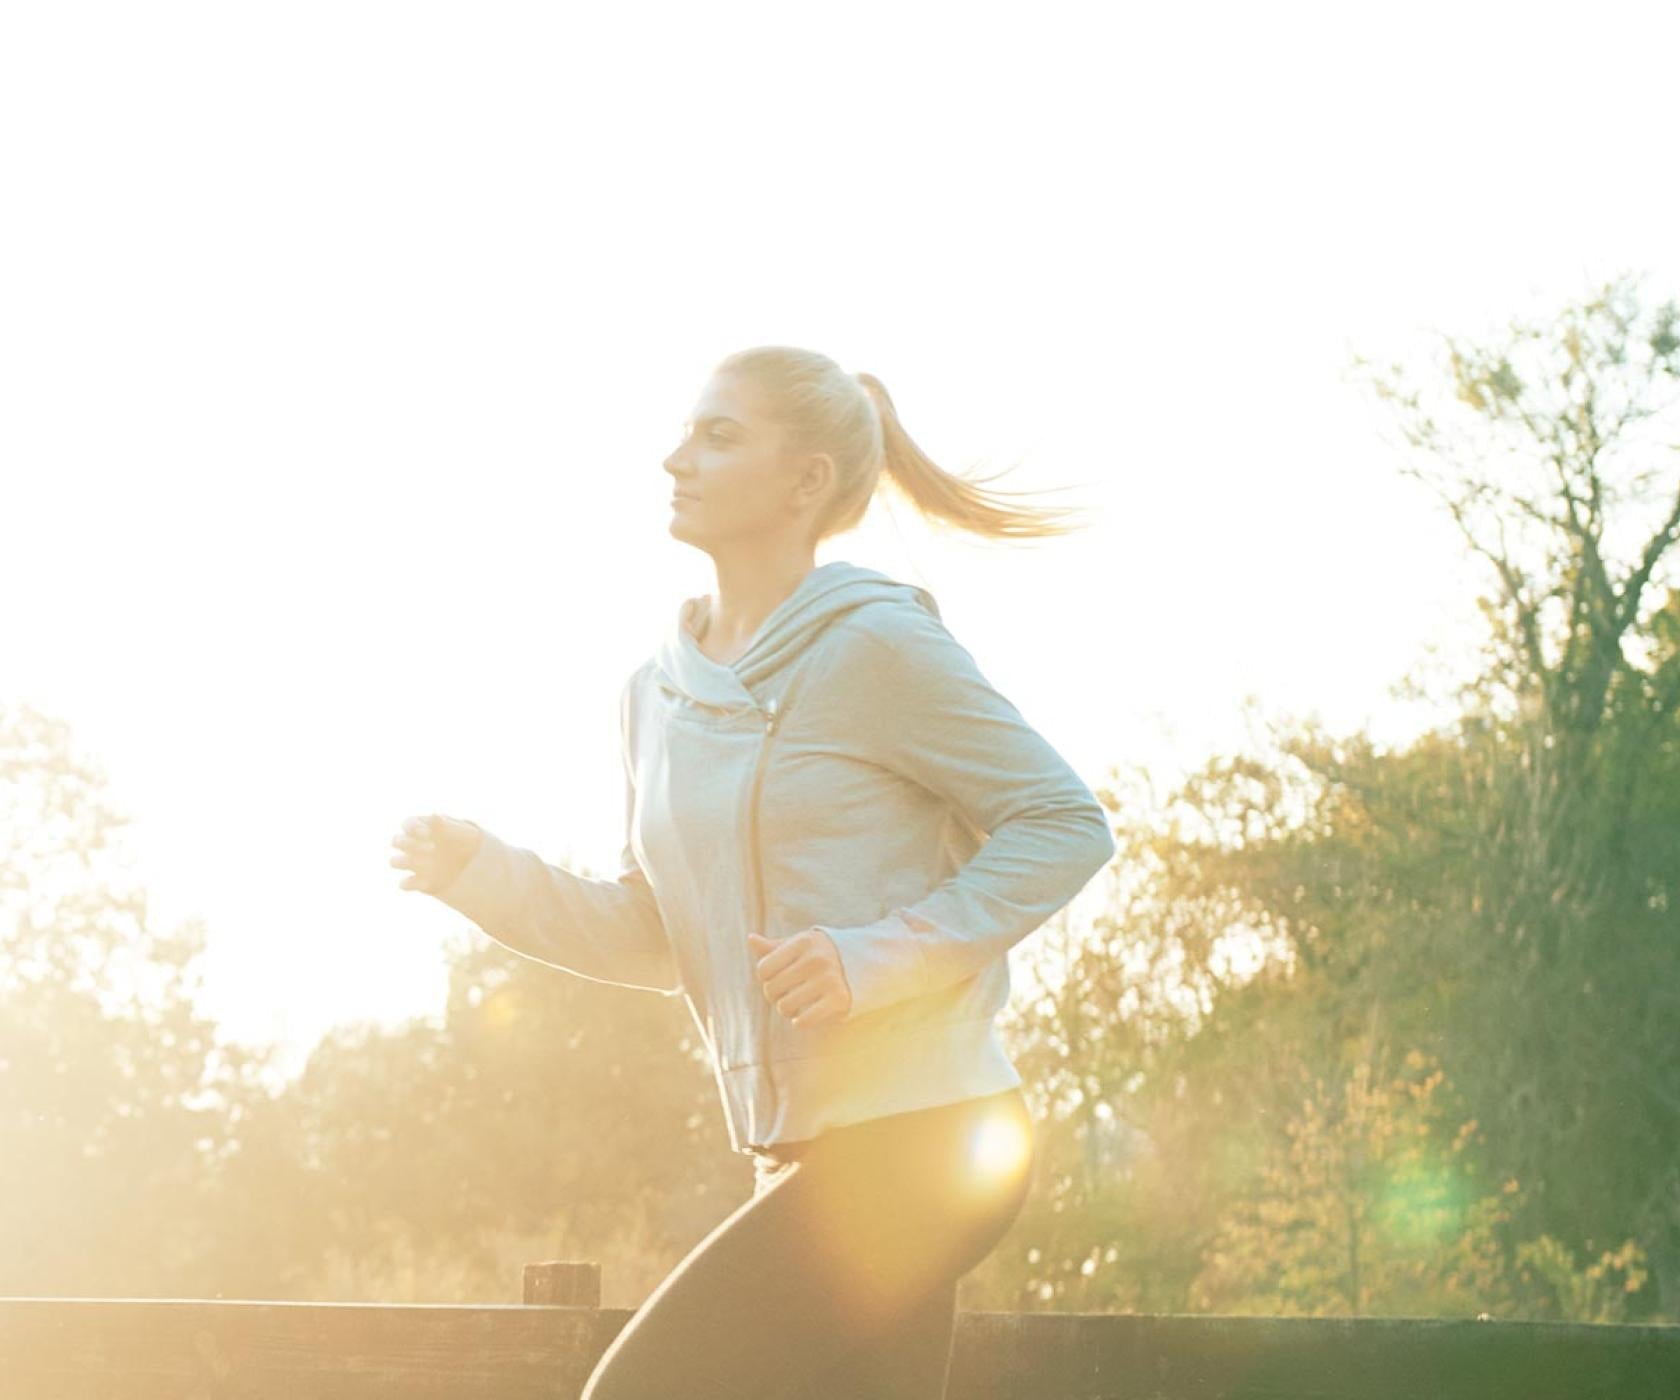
x=802 y=977
x=435 y=850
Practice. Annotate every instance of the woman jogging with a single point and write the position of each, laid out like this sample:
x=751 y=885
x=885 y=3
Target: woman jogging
x=835 y=830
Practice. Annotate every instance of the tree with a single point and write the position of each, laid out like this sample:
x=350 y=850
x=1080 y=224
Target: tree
x=1496 y=896
x=544 y=1117
x=114 y=1096
x=1554 y=450
x=1367 y=1203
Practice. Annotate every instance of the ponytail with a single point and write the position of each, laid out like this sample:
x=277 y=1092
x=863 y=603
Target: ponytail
x=962 y=501
x=852 y=419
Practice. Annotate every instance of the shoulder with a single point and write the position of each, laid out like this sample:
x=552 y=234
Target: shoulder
x=899 y=638
x=885 y=623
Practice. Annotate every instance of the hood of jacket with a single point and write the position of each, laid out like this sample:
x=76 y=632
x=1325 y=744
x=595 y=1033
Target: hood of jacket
x=824 y=595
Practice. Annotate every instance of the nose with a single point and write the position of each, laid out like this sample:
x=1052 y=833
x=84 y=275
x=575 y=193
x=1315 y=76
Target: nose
x=674 y=469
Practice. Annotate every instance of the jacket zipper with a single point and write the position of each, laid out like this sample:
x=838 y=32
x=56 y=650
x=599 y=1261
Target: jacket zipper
x=757 y=882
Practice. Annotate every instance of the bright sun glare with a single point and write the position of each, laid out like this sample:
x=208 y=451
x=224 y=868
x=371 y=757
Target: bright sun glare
x=1000 y=1147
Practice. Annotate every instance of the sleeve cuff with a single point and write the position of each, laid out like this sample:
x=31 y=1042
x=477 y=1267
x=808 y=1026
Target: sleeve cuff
x=882 y=961
x=480 y=889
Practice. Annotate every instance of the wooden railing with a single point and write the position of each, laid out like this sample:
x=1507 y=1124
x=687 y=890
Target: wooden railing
x=191 y=1349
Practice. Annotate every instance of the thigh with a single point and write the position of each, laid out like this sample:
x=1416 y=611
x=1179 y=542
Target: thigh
x=738 y=1316
x=952 y=1183
x=913 y=1201
x=909 y=1360
x=843 y=1259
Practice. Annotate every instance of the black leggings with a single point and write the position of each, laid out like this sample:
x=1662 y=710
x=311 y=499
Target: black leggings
x=838 y=1279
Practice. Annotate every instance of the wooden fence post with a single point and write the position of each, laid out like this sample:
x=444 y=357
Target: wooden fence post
x=571 y=1283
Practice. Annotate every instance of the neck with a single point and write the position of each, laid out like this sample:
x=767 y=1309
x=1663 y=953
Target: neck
x=748 y=591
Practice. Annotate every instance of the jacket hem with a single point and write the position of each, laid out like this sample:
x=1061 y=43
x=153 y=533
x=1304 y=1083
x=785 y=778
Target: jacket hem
x=906 y=1071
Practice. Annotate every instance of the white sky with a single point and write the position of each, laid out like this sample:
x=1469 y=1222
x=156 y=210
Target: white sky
x=340 y=346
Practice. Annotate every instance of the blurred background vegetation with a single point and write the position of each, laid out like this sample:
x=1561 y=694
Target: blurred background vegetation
x=1355 y=1031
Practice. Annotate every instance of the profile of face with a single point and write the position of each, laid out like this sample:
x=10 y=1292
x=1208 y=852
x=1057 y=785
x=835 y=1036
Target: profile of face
x=732 y=476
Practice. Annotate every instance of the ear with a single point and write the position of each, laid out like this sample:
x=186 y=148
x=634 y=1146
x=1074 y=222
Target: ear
x=817 y=478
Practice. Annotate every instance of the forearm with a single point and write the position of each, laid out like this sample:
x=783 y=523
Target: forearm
x=1030 y=867
x=604 y=930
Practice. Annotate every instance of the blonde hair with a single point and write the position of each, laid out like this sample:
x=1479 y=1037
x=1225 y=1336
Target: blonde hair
x=852 y=419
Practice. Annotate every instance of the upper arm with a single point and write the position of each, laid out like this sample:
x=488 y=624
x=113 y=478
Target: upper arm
x=931 y=714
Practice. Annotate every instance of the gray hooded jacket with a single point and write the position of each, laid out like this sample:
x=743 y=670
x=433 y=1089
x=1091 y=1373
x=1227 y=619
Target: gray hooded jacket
x=851 y=771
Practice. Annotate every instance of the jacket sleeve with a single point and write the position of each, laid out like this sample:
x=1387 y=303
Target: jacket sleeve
x=604 y=930
x=928 y=713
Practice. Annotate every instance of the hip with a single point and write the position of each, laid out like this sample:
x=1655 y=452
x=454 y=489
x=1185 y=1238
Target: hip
x=984 y=1141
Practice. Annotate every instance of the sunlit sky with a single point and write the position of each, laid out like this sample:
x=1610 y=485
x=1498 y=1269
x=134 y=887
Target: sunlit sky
x=341 y=344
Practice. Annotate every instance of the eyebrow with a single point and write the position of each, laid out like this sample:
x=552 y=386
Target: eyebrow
x=715 y=418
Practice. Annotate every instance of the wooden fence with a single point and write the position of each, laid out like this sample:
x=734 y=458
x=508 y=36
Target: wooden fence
x=191 y=1349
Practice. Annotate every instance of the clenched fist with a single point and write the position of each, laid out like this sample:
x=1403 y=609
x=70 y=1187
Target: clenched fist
x=434 y=850
x=802 y=977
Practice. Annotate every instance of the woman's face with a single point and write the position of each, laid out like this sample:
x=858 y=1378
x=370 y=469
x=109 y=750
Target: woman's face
x=730 y=475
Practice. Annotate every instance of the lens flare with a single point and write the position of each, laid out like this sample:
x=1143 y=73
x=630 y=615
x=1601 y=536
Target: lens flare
x=1000 y=1148
x=501 y=1008
x=1422 y=1207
